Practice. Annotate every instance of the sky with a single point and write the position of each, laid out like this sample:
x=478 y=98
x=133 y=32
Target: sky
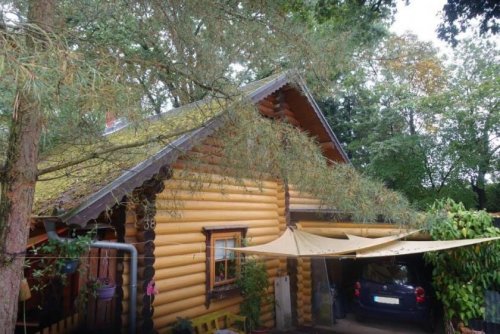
x=420 y=17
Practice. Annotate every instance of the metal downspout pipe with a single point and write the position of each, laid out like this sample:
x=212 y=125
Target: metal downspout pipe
x=52 y=234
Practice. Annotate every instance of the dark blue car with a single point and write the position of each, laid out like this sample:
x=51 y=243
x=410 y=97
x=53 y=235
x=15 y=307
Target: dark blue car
x=395 y=290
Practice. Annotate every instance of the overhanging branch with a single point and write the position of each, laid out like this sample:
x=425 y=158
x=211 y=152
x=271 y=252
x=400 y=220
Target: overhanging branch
x=98 y=154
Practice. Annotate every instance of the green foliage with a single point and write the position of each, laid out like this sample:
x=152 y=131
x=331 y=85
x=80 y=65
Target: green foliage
x=457 y=15
x=56 y=255
x=493 y=197
x=260 y=149
x=182 y=326
x=462 y=275
x=253 y=284
x=423 y=126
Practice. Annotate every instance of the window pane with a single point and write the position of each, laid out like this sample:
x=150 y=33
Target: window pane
x=219 y=249
x=220 y=271
x=231 y=269
x=230 y=243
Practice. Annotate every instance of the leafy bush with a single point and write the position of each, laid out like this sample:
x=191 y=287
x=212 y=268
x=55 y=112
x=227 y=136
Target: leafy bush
x=462 y=275
x=253 y=286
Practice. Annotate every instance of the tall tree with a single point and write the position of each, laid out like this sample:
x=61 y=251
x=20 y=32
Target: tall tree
x=470 y=117
x=20 y=171
x=64 y=64
x=458 y=14
x=427 y=128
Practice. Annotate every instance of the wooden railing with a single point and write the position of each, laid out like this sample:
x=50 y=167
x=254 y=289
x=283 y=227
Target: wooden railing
x=66 y=325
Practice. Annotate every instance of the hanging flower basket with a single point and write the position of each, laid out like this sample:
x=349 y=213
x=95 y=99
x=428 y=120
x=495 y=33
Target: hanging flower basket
x=69 y=266
x=104 y=289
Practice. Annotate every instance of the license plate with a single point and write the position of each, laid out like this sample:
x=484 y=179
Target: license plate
x=386 y=300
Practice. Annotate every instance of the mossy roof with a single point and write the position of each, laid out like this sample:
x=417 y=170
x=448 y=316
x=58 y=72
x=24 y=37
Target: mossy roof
x=103 y=179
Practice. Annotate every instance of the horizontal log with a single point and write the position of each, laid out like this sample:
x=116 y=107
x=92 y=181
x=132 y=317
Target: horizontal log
x=180 y=195
x=272 y=263
x=266 y=317
x=179 y=249
x=179 y=306
x=292 y=120
x=213 y=187
x=169 y=296
x=130 y=217
x=167 y=236
x=143 y=236
x=214 y=205
x=303 y=200
x=163 y=217
x=195 y=311
x=267 y=111
x=268 y=103
x=334 y=232
x=296 y=193
x=289 y=113
x=257 y=232
x=197 y=227
x=305 y=207
x=222 y=179
x=178 y=260
x=180 y=282
x=180 y=271
x=281 y=211
x=253 y=241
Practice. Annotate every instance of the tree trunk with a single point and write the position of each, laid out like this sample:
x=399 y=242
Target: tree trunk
x=18 y=181
x=479 y=189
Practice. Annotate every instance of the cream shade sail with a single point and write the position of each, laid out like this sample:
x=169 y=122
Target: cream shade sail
x=414 y=247
x=298 y=243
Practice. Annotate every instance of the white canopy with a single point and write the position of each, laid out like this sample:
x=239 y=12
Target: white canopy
x=296 y=243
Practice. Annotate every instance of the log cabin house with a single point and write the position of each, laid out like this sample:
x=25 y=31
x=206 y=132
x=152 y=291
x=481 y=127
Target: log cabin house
x=134 y=198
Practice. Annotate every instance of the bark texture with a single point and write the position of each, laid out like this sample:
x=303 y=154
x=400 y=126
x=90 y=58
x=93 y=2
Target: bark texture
x=18 y=181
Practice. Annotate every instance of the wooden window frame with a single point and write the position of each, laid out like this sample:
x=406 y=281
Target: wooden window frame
x=225 y=289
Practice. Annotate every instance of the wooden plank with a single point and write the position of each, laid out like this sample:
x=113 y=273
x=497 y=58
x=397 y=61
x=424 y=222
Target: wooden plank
x=180 y=249
x=180 y=282
x=163 y=217
x=215 y=205
x=214 y=196
x=168 y=296
x=33 y=241
x=213 y=187
x=163 y=231
x=179 y=305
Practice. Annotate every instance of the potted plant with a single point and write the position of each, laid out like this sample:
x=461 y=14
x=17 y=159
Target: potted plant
x=183 y=326
x=104 y=289
x=67 y=252
x=253 y=283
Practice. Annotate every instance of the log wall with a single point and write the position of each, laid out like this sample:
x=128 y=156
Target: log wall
x=301 y=201
x=193 y=200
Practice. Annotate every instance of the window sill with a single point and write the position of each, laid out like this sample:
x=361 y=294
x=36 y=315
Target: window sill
x=224 y=292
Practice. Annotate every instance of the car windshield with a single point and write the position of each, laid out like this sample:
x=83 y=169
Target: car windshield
x=388 y=273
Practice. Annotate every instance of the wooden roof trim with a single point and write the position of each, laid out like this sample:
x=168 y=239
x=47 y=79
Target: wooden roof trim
x=111 y=194
x=323 y=120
